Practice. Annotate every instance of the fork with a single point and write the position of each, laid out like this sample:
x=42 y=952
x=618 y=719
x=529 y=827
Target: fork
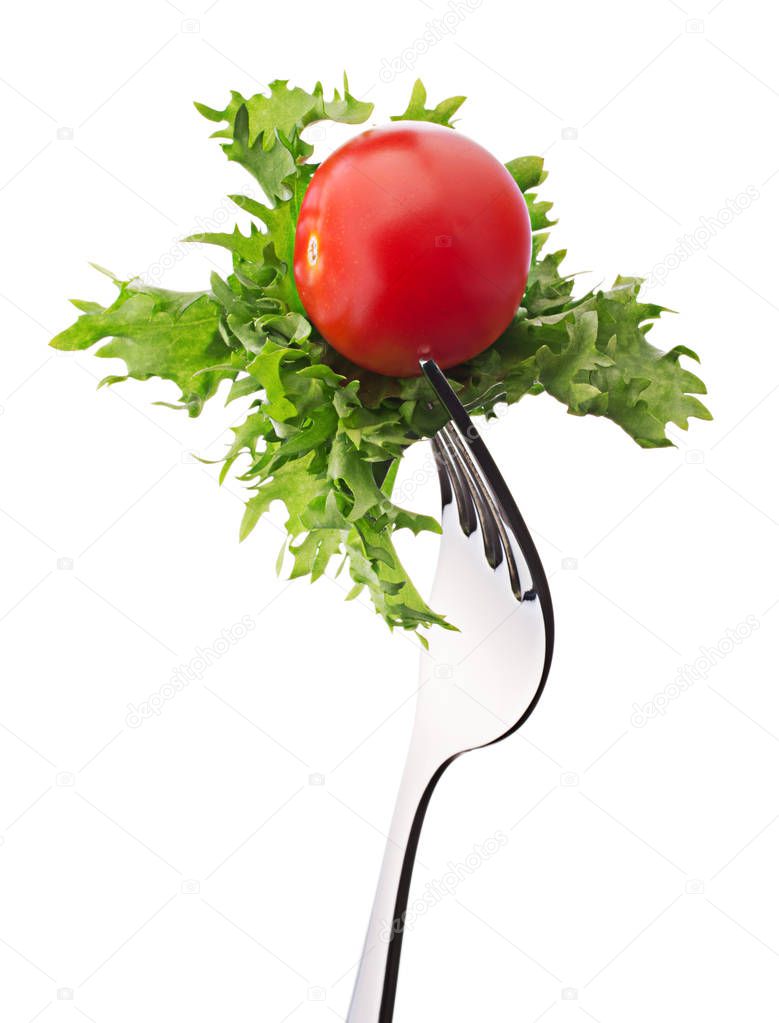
x=479 y=685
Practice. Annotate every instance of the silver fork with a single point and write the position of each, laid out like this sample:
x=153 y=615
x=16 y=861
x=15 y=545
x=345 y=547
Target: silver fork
x=485 y=679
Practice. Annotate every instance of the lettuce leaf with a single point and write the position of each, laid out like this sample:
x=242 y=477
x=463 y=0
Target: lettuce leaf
x=325 y=437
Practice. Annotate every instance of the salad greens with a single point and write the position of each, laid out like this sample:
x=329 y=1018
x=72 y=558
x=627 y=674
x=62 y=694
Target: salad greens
x=324 y=436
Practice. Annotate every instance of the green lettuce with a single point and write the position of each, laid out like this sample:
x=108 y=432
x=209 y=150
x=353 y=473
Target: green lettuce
x=325 y=437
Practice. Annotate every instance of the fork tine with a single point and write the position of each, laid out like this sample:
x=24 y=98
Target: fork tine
x=498 y=525
x=447 y=449
x=457 y=485
x=444 y=479
x=508 y=512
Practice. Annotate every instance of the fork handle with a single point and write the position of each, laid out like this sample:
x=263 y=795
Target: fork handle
x=373 y=1000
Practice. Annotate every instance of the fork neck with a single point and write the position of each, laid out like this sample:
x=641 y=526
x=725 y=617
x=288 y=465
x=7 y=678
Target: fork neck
x=373 y=1000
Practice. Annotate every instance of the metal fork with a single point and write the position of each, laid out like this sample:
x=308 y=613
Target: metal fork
x=482 y=682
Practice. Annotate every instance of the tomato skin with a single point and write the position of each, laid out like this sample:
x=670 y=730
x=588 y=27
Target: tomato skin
x=412 y=241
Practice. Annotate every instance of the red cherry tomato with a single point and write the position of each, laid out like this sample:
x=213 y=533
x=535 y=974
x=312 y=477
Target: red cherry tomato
x=412 y=241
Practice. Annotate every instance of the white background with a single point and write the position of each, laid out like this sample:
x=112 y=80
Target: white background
x=218 y=862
